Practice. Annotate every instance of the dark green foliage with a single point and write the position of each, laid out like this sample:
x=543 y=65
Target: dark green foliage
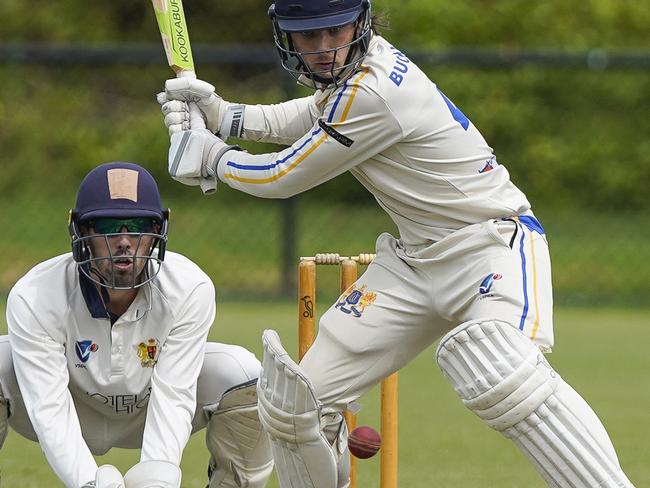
x=575 y=140
x=571 y=137
x=566 y=24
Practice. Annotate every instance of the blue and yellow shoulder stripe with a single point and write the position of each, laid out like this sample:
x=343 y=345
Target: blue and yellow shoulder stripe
x=336 y=116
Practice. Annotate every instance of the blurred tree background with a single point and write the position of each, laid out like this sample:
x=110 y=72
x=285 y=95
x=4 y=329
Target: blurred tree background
x=575 y=137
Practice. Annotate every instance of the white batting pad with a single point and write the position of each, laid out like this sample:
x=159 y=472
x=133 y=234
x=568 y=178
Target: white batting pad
x=502 y=377
x=291 y=414
x=240 y=449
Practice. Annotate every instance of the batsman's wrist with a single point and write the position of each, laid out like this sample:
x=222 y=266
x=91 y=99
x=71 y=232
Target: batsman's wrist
x=217 y=155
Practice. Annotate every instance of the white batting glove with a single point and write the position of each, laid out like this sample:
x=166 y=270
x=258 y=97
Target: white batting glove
x=185 y=90
x=153 y=474
x=194 y=154
x=108 y=476
x=176 y=114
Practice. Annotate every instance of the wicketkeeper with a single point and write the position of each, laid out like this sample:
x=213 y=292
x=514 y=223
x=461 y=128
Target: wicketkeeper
x=107 y=348
x=470 y=266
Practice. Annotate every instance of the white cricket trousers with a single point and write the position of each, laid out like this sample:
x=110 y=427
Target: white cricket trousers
x=410 y=296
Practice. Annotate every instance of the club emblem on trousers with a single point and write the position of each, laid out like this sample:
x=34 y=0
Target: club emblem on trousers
x=148 y=352
x=355 y=300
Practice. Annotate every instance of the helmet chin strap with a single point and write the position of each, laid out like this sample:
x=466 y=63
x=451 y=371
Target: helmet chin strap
x=100 y=277
x=109 y=284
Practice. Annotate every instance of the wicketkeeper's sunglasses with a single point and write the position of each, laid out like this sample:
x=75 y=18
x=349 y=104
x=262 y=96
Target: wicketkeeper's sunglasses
x=136 y=225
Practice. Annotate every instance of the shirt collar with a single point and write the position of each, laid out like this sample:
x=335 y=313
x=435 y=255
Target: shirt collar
x=97 y=296
x=94 y=301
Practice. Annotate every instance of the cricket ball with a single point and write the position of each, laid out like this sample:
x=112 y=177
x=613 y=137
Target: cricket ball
x=364 y=442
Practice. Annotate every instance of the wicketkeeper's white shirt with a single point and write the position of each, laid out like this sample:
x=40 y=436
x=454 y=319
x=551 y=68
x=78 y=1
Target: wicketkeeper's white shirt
x=145 y=363
x=397 y=133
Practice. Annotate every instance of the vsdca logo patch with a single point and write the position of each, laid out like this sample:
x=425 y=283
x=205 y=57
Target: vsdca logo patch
x=84 y=348
x=488 y=281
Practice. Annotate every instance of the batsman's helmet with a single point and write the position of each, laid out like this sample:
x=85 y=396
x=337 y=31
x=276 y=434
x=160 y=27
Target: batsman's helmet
x=307 y=15
x=111 y=197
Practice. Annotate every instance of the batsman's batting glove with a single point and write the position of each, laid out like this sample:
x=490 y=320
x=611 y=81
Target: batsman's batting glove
x=106 y=476
x=194 y=155
x=179 y=91
x=153 y=474
x=176 y=114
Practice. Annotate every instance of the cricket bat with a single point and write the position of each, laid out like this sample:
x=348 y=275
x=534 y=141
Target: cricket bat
x=176 y=41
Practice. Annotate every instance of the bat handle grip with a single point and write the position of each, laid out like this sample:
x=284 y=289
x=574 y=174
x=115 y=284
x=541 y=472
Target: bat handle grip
x=185 y=73
x=196 y=116
x=208 y=185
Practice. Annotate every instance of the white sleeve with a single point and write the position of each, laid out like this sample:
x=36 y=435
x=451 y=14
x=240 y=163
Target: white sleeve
x=42 y=374
x=282 y=123
x=173 y=384
x=355 y=126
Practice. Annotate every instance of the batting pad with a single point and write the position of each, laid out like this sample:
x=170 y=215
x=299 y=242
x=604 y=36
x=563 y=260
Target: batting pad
x=291 y=414
x=240 y=449
x=502 y=377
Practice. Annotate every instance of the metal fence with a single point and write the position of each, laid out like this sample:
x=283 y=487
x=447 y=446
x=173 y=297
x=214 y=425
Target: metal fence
x=264 y=54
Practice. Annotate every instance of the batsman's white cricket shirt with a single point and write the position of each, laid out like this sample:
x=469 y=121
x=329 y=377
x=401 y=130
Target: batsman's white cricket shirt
x=397 y=133
x=72 y=362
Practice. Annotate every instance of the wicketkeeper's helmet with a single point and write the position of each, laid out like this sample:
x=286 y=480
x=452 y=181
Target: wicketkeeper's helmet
x=114 y=196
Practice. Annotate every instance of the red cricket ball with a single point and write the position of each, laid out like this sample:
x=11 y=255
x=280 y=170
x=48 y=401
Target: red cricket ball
x=364 y=442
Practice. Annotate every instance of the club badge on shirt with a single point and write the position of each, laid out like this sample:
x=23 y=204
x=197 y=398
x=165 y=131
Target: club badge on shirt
x=83 y=349
x=355 y=300
x=148 y=352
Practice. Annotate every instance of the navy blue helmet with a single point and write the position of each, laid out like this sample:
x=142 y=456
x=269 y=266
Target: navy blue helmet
x=115 y=200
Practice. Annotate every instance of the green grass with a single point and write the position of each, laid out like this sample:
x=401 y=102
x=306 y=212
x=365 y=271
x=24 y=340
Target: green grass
x=602 y=353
